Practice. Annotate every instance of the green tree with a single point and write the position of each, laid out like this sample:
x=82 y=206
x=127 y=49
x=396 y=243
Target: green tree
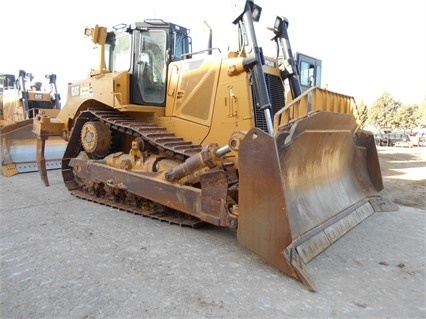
x=422 y=113
x=407 y=116
x=382 y=112
x=363 y=113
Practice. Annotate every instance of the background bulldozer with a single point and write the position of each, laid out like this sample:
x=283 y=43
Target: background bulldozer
x=21 y=99
x=202 y=137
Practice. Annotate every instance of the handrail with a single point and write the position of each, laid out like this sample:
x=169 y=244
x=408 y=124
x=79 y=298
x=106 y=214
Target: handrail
x=313 y=100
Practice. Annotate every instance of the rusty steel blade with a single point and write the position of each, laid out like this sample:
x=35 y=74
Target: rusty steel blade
x=312 y=184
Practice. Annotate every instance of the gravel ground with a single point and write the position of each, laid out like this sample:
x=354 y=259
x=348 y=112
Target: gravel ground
x=62 y=257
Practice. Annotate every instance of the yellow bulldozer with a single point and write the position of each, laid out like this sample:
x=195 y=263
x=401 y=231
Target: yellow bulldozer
x=206 y=137
x=21 y=99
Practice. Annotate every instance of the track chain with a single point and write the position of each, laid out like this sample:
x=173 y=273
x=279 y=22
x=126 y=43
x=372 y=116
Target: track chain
x=167 y=215
x=150 y=132
x=158 y=137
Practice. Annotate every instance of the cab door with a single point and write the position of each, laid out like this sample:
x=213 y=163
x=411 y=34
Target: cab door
x=149 y=69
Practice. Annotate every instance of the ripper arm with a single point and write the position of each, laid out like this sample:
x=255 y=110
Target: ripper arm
x=43 y=127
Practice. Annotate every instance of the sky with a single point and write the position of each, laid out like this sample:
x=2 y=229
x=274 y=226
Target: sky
x=367 y=47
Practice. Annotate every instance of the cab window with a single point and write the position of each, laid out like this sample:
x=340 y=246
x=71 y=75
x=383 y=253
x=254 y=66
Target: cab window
x=307 y=74
x=118 y=53
x=151 y=66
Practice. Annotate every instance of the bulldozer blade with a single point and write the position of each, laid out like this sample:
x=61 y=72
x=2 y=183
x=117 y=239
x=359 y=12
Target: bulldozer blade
x=311 y=185
x=19 y=149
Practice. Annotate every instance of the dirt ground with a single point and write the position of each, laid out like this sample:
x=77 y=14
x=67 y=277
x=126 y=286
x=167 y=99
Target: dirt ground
x=62 y=257
x=404 y=175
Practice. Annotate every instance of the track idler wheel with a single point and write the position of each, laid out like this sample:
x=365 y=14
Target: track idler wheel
x=95 y=138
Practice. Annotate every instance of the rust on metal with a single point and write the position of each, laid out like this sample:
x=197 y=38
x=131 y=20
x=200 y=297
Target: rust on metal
x=318 y=181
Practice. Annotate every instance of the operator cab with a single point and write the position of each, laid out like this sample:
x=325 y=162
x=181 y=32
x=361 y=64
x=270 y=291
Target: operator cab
x=309 y=70
x=7 y=82
x=145 y=49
